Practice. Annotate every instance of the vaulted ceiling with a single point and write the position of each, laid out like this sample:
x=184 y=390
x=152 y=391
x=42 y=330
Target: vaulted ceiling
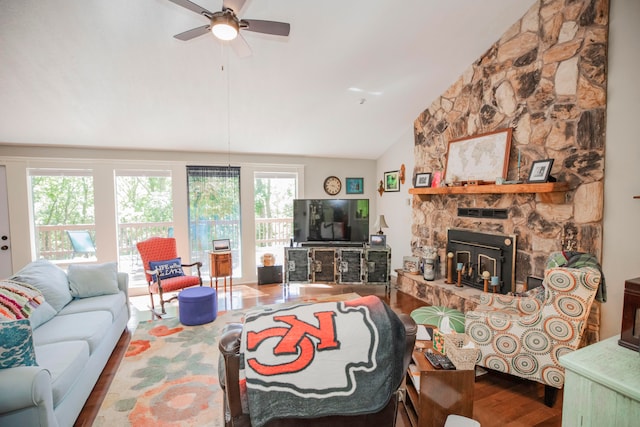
x=348 y=81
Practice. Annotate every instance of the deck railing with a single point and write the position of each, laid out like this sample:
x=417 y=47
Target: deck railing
x=54 y=244
x=273 y=231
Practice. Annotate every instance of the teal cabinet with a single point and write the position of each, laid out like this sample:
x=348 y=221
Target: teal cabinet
x=602 y=386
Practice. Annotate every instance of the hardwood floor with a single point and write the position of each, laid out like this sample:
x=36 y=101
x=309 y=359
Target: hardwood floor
x=499 y=399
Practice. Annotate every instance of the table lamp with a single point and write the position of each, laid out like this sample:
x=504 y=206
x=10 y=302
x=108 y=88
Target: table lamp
x=380 y=224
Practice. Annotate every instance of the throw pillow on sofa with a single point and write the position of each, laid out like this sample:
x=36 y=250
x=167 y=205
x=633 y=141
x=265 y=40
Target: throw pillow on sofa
x=50 y=279
x=167 y=268
x=18 y=300
x=16 y=344
x=92 y=280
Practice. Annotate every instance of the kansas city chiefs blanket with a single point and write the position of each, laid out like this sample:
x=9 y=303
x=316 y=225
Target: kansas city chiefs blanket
x=322 y=359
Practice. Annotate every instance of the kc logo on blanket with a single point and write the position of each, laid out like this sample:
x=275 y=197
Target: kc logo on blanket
x=295 y=348
x=296 y=339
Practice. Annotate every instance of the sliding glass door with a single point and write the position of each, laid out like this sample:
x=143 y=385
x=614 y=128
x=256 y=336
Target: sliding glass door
x=214 y=212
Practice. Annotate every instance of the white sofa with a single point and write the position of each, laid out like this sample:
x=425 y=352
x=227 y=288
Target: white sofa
x=73 y=338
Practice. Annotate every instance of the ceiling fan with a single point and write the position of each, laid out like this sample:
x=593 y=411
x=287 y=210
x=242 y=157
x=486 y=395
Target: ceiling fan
x=226 y=25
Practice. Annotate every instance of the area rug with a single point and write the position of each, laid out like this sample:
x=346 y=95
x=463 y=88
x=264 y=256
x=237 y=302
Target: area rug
x=169 y=375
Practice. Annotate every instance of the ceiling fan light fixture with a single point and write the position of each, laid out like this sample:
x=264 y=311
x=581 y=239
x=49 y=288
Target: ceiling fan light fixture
x=224 y=27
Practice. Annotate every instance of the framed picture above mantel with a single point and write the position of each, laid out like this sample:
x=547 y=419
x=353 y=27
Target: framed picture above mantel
x=480 y=158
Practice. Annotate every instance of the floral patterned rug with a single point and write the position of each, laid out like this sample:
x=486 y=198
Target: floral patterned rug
x=169 y=375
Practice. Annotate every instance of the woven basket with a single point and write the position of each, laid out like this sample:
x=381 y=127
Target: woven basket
x=463 y=358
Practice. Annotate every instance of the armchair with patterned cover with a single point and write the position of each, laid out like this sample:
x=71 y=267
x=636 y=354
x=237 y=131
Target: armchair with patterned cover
x=157 y=252
x=526 y=335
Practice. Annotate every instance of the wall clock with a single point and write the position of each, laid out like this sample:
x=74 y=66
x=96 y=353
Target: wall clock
x=332 y=185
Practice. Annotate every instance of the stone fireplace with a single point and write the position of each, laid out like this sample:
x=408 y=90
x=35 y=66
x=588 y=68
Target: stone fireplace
x=478 y=252
x=545 y=78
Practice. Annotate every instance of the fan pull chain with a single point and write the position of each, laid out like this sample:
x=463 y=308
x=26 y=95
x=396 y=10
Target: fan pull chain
x=228 y=114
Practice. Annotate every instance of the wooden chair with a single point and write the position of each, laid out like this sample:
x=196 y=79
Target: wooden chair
x=163 y=249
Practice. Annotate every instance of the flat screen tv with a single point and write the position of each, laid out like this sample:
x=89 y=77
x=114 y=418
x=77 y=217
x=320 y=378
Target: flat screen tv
x=331 y=220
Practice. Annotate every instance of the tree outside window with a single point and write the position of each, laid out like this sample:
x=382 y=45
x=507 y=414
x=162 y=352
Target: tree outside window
x=62 y=200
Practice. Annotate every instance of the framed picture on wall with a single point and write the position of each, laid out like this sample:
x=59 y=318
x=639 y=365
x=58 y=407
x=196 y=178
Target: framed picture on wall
x=392 y=181
x=355 y=185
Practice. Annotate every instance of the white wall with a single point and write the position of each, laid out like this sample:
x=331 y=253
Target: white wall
x=621 y=235
x=396 y=206
x=312 y=172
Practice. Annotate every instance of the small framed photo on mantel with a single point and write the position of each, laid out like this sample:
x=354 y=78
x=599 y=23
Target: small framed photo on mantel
x=540 y=171
x=422 y=180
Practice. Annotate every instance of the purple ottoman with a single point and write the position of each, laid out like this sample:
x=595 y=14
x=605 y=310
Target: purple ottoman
x=197 y=305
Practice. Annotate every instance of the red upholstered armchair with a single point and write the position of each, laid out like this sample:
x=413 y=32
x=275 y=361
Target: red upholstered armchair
x=163 y=268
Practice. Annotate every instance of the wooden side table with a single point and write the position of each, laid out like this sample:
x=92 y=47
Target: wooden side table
x=441 y=393
x=220 y=266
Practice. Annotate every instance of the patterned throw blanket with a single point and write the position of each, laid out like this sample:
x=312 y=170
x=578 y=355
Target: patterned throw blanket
x=578 y=260
x=322 y=359
x=18 y=300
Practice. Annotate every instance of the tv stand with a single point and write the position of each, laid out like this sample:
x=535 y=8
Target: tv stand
x=338 y=262
x=319 y=244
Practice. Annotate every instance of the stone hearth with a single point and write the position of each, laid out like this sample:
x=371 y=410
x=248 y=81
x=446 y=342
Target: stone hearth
x=466 y=298
x=438 y=292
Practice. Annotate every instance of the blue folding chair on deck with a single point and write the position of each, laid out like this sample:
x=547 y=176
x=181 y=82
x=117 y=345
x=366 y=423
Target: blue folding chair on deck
x=82 y=243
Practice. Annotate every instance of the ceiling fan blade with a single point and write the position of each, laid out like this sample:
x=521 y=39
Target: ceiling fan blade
x=235 y=5
x=192 y=7
x=240 y=46
x=266 y=27
x=192 y=33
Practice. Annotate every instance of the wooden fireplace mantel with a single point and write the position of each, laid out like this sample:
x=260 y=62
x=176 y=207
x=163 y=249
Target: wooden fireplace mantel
x=549 y=192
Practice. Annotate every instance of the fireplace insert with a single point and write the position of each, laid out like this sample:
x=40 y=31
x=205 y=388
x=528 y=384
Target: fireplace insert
x=479 y=252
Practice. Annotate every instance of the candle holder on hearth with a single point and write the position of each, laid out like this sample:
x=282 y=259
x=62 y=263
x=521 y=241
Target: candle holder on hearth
x=486 y=276
x=449 y=268
x=459 y=268
x=495 y=284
